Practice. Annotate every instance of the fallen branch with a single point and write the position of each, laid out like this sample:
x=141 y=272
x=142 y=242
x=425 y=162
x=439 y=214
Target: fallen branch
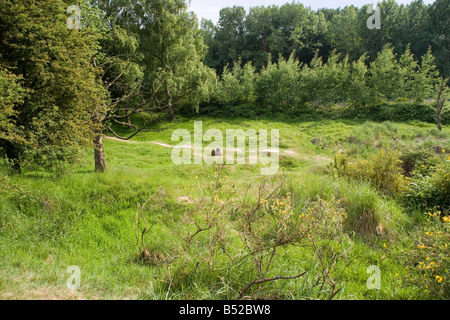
x=259 y=281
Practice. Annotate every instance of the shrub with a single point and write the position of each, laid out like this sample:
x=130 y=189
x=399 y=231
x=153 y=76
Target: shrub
x=383 y=170
x=241 y=236
x=429 y=185
x=277 y=86
x=236 y=87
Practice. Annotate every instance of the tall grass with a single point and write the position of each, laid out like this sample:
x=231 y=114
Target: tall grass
x=49 y=222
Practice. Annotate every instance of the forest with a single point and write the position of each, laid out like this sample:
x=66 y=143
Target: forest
x=93 y=206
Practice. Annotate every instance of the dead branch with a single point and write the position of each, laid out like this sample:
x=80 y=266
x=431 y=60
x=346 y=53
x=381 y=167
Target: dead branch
x=259 y=281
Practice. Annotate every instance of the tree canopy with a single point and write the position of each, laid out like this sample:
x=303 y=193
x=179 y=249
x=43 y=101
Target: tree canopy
x=134 y=62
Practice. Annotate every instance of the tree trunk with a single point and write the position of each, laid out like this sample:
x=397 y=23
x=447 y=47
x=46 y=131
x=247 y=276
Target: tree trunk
x=169 y=104
x=99 y=153
x=440 y=106
x=12 y=154
x=171 y=113
x=438 y=118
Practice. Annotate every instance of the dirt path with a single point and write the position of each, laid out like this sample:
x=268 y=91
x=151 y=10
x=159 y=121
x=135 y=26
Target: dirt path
x=198 y=151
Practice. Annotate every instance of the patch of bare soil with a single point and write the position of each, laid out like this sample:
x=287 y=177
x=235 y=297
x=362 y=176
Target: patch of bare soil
x=43 y=294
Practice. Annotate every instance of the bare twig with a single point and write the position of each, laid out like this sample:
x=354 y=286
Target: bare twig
x=259 y=281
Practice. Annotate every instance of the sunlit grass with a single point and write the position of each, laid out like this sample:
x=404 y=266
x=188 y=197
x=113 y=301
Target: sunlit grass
x=49 y=222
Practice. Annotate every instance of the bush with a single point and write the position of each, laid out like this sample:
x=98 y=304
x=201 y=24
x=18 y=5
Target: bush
x=382 y=170
x=429 y=185
x=277 y=87
x=242 y=237
x=236 y=87
x=11 y=93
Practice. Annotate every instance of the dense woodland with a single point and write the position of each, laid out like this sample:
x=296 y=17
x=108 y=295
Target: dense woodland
x=262 y=32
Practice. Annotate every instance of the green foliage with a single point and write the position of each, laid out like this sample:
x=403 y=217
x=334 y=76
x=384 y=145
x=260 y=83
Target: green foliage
x=438 y=13
x=237 y=86
x=343 y=34
x=173 y=53
x=276 y=87
x=387 y=89
x=329 y=83
x=265 y=32
x=429 y=185
x=428 y=261
x=383 y=170
x=61 y=85
x=280 y=30
x=11 y=93
x=385 y=76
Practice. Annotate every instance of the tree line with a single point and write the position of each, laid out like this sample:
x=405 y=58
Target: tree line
x=337 y=80
x=266 y=32
x=133 y=62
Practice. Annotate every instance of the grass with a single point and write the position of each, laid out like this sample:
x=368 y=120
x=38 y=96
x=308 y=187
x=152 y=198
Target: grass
x=49 y=222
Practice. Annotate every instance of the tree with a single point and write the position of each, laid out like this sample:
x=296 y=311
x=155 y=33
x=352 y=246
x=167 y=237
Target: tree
x=385 y=75
x=417 y=29
x=11 y=94
x=120 y=59
x=426 y=77
x=122 y=79
x=343 y=33
x=439 y=15
x=52 y=123
x=230 y=36
x=442 y=91
x=151 y=56
x=260 y=25
x=208 y=31
x=237 y=86
x=282 y=30
x=309 y=32
x=276 y=87
x=173 y=52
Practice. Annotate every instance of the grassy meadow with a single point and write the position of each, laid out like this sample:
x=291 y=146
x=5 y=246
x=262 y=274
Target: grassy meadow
x=52 y=220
